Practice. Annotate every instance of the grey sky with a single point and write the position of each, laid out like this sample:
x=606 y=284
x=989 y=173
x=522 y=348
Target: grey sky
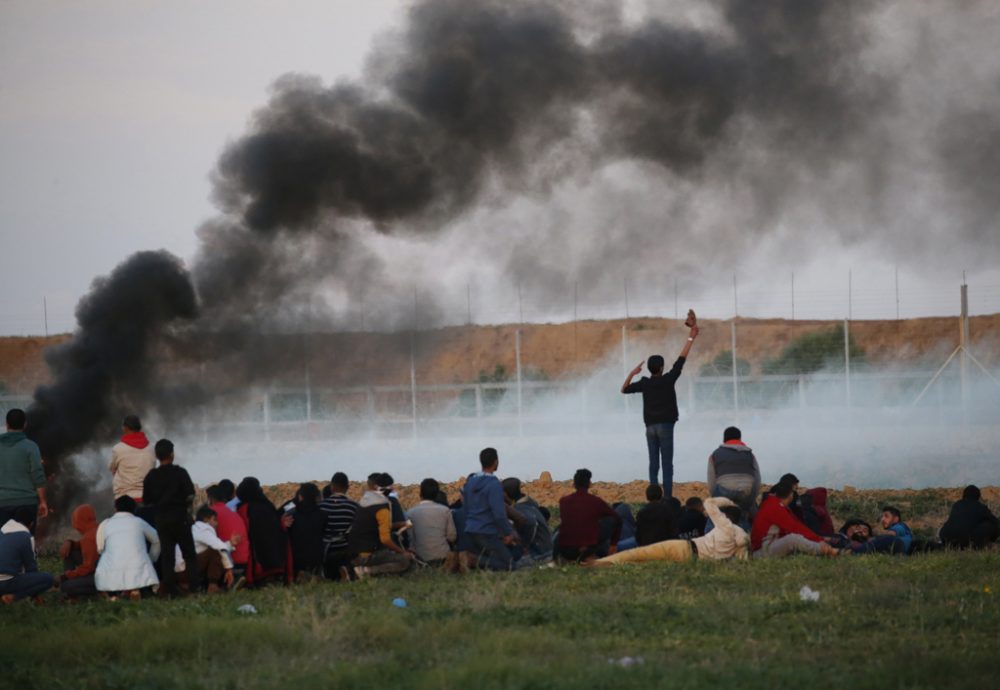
x=113 y=114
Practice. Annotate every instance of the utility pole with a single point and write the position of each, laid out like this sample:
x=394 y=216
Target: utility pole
x=626 y=298
x=468 y=303
x=736 y=384
x=45 y=312
x=793 y=295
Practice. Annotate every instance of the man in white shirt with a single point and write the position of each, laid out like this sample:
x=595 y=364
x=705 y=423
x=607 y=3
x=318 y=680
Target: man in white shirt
x=433 y=526
x=215 y=563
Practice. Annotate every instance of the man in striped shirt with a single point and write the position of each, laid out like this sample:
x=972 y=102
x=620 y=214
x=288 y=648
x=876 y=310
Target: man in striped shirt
x=338 y=511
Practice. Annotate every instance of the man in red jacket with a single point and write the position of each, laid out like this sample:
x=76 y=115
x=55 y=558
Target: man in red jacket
x=777 y=532
x=590 y=527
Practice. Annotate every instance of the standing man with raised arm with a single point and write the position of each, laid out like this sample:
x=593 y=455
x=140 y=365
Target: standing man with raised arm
x=659 y=408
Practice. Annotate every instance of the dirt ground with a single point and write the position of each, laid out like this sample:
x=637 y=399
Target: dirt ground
x=555 y=351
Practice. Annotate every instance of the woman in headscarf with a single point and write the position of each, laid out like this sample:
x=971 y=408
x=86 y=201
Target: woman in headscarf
x=269 y=550
x=306 y=532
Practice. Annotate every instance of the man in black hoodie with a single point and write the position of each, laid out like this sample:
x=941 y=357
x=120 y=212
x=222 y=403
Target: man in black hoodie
x=970 y=522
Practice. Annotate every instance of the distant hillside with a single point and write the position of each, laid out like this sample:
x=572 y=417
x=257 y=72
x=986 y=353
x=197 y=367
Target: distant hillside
x=465 y=353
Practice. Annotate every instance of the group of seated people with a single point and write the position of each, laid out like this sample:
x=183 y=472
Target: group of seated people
x=240 y=537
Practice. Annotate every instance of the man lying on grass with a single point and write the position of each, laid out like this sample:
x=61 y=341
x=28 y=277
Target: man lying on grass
x=777 y=532
x=727 y=540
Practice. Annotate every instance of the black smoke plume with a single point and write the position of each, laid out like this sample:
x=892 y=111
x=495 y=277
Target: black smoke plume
x=771 y=102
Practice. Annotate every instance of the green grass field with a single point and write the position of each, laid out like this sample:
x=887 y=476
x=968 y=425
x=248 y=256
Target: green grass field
x=928 y=621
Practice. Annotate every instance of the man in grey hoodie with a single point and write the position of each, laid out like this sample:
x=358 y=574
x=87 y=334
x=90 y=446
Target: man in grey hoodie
x=733 y=473
x=22 y=478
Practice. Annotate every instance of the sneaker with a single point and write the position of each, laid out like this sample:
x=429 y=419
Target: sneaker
x=239 y=583
x=361 y=572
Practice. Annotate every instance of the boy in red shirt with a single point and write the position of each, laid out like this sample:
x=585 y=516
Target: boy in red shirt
x=584 y=533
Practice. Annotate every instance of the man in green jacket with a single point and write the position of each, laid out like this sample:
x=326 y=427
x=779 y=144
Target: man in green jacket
x=22 y=478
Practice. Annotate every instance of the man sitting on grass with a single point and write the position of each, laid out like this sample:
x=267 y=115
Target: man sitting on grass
x=533 y=530
x=892 y=522
x=433 y=526
x=370 y=540
x=970 y=522
x=777 y=532
x=590 y=527
x=726 y=540
x=488 y=530
x=693 y=519
x=19 y=576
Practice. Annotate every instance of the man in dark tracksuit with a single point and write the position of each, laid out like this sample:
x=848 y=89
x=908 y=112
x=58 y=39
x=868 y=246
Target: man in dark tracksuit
x=659 y=411
x=169 y=492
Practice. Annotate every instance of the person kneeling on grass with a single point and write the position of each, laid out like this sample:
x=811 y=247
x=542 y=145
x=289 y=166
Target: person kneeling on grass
x=126 y=562
x=433 y=526
x=80 y=557
x=726 y=540
x=370 y=539
x=213 y=560
x=19 y=576
x=777 y=532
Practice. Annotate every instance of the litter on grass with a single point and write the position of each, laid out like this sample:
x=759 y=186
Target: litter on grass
x=808 y=594
x=247 y=609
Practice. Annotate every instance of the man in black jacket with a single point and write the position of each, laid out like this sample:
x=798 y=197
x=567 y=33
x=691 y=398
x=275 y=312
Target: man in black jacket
x=169 y=492
x=970 y=522
x=655 y=521
x=659 y=411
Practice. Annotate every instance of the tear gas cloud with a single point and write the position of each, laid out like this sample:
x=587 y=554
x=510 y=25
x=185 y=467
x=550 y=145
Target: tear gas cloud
x=543 y=143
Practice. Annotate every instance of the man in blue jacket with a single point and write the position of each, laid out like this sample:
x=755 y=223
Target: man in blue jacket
x=22 y=478
x=486 y=524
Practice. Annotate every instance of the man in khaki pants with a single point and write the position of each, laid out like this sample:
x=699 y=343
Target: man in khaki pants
x=727 y=540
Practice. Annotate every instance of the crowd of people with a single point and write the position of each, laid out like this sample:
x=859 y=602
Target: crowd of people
x=159 y=541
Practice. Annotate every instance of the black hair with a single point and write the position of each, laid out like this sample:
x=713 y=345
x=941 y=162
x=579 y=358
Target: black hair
x=26 y=515
x=654 y=492
x=782 y=489
x=733 y=513
x=339 y=481
x=228 y=489
x=972 y=493
x=488 y=457
x=429 y=489
x=309 y=493
x=249 y=490
x=163 y=449
x=732 y=433
x=125 y=504
x=327 y=491
x=441 y=498
x=16 y=419
x=512 y=487
x=132 y=423
x=655 y=364
x=375 y=478
x=215 y=494
x=789 y=478
x=204 y=513
x=581 y=479
x=855 y=521
x=693 y=502
x=894 y=511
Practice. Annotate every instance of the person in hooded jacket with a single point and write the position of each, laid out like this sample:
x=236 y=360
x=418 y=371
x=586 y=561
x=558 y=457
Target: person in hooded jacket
x=970 y=523
x=269 y=549
x=80 y=557
x=814 y=511
x=535 y=534
x=306 y=532
x=487 y=528
x=132 y=458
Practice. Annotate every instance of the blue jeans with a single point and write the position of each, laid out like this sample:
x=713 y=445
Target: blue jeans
x=660 y=441
x=744 y=501
x=493 y=554
x=27 y=585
